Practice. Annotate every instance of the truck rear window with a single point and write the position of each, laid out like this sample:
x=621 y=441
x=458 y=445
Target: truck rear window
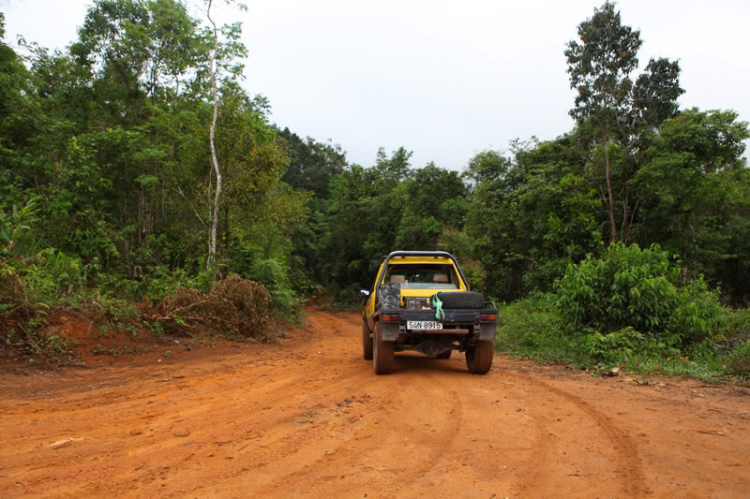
x=421 y=276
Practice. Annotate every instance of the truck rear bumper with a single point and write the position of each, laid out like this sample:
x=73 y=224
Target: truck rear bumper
x=459 y=322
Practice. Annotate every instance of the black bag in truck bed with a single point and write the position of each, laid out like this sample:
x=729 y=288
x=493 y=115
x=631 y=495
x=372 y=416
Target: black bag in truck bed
x=466 y=299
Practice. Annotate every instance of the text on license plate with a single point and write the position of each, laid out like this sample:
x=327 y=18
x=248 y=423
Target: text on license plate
x=424 y=325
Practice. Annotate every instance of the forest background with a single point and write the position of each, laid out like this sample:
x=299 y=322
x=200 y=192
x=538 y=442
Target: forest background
x=622 y=242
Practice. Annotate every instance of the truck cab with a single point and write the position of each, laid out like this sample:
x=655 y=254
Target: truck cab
x=421 y=301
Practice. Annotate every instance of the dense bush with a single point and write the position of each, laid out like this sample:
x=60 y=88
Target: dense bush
x=30 y=281
x=636 y=293
x=631 y=308
x=735 y=341
x=533 y=328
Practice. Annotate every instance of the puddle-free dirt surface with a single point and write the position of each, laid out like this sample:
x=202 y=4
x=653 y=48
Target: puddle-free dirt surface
x=308 y=418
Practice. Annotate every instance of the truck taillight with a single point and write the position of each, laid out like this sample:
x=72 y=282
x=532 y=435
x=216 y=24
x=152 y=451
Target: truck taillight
x=488 y=317
x=390 y=318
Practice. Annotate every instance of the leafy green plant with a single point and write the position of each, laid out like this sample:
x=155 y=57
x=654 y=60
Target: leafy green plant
x=638 y=289
x=738 y=361
x=15 y=229
x=164 y=281
x=611 y=347
x=274 y=276
x=530 y=328
x=156 y=327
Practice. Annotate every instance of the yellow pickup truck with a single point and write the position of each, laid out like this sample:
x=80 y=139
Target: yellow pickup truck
x=421 y=301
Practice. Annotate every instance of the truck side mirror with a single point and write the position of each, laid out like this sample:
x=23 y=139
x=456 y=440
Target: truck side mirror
x=364 y=294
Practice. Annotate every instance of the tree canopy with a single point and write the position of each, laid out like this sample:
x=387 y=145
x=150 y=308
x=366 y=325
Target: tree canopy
x=108 y=144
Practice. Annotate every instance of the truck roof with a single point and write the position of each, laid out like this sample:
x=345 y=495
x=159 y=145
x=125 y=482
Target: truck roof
x=421 y=253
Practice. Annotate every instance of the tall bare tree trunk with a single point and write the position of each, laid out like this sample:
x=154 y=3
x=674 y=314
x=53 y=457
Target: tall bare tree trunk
x=215 y=162
x=611 y=207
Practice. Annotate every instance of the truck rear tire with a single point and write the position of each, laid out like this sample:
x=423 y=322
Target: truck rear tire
x=444 y=355
x=366 y=341
x=479 y=357
x=383 y=356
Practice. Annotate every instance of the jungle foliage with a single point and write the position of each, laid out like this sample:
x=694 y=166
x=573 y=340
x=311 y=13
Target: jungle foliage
x=107 y=185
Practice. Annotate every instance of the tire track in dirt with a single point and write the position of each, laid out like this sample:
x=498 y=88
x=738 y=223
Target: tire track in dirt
x=625 y=450
x=415 y=427
x=633 y=480
x=389 y=404
x=439 y=450
x=287 y=421
x=286 y=438
x=398 y=411
x=366 y=440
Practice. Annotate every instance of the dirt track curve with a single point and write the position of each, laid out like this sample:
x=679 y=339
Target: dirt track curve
x=309 y=419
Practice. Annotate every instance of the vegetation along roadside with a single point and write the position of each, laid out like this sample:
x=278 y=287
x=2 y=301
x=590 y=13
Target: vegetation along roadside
x=622 y=243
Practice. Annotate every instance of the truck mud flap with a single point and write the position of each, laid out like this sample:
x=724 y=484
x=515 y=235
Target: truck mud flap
x=389 y=331
x=487 y=331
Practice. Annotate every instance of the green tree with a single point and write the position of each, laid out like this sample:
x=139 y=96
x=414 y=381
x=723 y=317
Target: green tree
x=252 y=158
x=395 y=168
x=15 y=125
x=435 y=198
x=620 y=115
x=600 y=67
x=312 y=168
x=532 y=216
x=656 y=92
x=312 y=165
x=691 y=184
x=219 y=58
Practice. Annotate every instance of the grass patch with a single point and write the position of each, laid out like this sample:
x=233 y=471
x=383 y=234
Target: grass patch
x=707 y=367
x=530 y=329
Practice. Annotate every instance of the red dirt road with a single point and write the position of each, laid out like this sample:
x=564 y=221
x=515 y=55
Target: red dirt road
x=308 y=418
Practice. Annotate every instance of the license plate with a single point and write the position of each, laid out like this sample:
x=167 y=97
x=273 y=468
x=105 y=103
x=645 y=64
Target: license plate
x=424 y=325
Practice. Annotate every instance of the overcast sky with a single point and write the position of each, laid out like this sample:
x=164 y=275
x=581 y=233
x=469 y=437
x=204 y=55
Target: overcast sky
x=445 y=79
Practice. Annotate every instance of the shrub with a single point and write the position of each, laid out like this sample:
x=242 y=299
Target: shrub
x=609 y=348
x=637 y=289
x=274 y=276
x=735 y=326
